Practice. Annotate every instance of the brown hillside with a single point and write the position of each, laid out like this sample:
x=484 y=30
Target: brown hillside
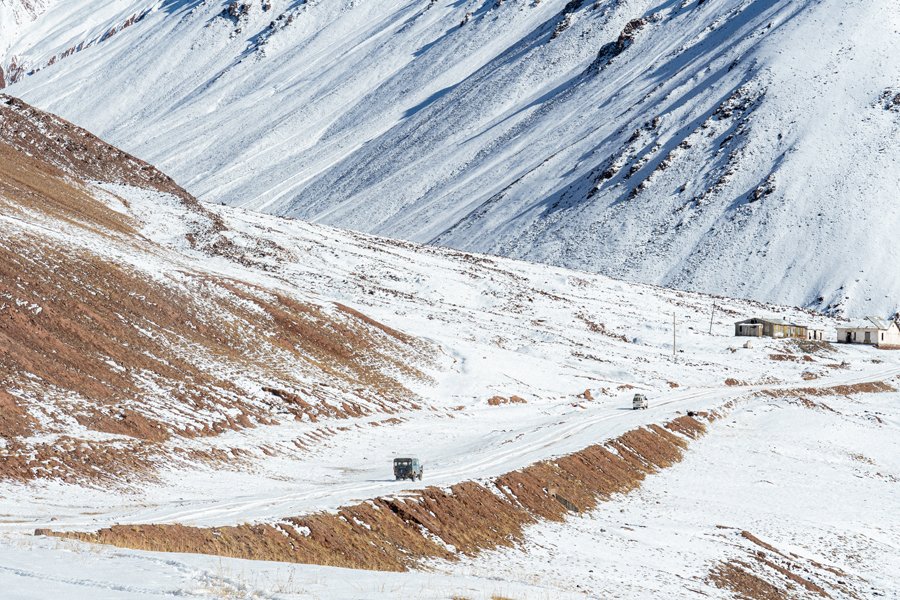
x=75 y=151
x=114 y=348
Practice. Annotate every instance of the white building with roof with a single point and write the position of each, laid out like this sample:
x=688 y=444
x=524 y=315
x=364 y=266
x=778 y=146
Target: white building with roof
x=871 y=330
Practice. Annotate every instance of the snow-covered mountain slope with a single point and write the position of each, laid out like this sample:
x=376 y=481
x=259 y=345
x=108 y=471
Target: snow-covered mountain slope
x=117 y=352
x=57 y=34
x=734 y=146
x=15 y=15
x=169 y=362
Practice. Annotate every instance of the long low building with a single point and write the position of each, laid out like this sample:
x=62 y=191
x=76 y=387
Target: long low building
x=774 y=328
x=879 y=332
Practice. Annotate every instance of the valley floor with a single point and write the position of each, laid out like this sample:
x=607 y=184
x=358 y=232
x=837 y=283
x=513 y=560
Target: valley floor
x=791 y=495
x=806 y=467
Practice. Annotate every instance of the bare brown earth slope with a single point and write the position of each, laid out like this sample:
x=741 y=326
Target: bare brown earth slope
x=111 y=351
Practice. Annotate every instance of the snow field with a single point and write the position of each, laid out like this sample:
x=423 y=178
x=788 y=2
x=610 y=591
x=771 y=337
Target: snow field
x=817 y=484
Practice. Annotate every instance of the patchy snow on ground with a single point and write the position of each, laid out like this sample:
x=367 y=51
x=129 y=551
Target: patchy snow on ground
x=502 y=328
x=42 y=568
x=813 y=486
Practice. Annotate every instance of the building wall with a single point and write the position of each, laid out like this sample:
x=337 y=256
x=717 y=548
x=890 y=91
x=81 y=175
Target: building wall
x=891 y=337
x=773 y=330
x=787 y=331
x=748 y=330
x=857 y=335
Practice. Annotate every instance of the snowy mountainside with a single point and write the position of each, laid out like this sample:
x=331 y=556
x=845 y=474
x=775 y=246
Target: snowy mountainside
x=240 y=328
x=15 y=14
x=60 y=33
x=166 y=361
x=117 y=352
x=740 y=147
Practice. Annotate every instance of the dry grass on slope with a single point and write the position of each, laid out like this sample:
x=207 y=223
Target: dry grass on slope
x=75 y=151
x=764 y=572
x=868 y=387
x=738 y=577
x=84 y=340
x=48 y=163
x=31 y=186
x=105 y=362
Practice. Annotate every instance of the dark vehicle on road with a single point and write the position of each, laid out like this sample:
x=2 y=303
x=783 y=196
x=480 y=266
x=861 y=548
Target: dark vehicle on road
x=407 y=468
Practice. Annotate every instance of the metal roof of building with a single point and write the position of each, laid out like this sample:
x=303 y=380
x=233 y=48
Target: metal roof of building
x=772 y=321
x=868 y=323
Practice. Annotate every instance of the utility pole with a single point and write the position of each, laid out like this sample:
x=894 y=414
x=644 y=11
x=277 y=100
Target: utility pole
x=711 y=318
x=674 y=357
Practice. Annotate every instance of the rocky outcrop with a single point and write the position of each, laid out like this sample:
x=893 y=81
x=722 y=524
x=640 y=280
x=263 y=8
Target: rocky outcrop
x=611 y=50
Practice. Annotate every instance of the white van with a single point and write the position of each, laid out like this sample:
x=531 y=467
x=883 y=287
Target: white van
x=640 y=401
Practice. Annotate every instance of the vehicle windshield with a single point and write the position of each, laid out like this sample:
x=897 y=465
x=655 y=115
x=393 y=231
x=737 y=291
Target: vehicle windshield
x=402 y=461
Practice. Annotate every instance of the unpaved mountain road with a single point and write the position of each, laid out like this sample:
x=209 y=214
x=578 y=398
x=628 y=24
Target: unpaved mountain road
x=478 y=450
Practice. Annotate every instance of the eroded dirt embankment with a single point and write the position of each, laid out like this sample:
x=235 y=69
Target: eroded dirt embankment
x=395 y=534
x=867 y=387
